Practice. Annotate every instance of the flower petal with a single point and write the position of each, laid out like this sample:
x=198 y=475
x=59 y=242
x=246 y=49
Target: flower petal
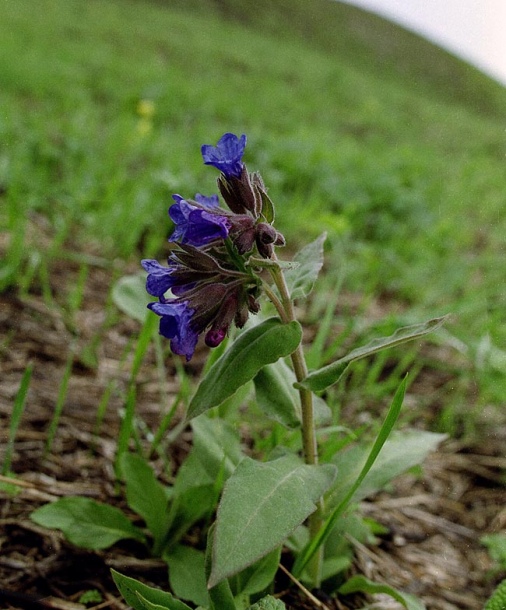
x=175 y=325
x=226 y=155
x=195 y=226
x=159 y=278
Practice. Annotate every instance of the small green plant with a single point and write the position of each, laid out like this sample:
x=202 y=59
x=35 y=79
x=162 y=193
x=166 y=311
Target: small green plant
x=301 y=496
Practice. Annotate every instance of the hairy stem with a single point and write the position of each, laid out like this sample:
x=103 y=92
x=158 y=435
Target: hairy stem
x=285 y=307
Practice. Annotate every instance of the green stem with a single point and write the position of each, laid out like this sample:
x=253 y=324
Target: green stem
x=285 y=308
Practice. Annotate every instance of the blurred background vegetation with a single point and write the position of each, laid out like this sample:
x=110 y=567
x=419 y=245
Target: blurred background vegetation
x=359 y=128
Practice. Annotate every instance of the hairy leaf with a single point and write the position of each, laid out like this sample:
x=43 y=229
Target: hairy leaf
x=145 y=495
x=262 y=504
x=328 y=375
x=86 y=523
x=301 y=279
x=260 y=345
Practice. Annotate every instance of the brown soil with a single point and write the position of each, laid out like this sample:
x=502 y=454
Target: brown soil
x=435 y=520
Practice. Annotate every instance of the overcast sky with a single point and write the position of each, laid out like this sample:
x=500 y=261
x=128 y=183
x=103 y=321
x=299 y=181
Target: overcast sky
x=472 y=29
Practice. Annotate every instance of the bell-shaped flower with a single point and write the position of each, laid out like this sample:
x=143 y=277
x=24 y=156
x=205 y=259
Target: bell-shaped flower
x=195 y=225
x=206 y=292
x=175 y=324
x=226 y=155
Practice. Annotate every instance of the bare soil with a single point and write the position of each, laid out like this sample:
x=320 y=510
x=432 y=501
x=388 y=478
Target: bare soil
x=434 y=520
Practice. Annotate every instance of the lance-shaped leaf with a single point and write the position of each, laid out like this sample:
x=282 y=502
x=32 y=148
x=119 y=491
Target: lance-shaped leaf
x=279 y=400
x=146 y=496
x=86 y=523
x=301 y=279
x=328 y=375
x=253 y=349
x=276 y=395
x=262 y=504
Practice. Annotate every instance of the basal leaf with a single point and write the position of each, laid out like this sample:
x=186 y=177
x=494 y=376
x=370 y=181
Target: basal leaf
x=136 y=594
x=258 y=576
x=146 y=495
x=261 y=506
x=402 y=451
x=328 y=375
x=301 y=279
x=86 y=523
x=253 y=349
x=187 y=574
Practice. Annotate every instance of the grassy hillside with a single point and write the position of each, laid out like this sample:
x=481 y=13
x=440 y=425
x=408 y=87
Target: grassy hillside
x=359 y=128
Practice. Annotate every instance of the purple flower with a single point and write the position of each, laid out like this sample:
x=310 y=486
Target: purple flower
x=196 y=226
x=159 y=278
x=175 y=325
x=226 y=155
x=207 y=202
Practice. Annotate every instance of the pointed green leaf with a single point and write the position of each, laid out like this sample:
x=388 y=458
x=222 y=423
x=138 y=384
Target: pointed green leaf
x=328 y=375
x=276 y=395
x=261 y=506
x=301 y=279
x=278 y=399
x=187 y=574
x=401 y=451
x=146 y=495
x=364 y=585
x=136 y=594
x=220 y=595
x=87 y=523
x=258 y=576
x=267 y=207
x=253 y=349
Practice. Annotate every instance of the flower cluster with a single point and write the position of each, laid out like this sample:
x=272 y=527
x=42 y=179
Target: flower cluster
x=209 y=277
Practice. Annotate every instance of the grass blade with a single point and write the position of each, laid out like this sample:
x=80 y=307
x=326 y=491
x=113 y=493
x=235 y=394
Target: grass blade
x=17 y=412
x=386 y=429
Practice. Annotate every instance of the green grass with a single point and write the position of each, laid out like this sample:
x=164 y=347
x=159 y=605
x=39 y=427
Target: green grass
x=359 y=128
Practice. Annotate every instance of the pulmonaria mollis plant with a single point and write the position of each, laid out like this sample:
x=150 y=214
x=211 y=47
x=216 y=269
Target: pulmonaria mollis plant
x=209 y=275
x=300 y=496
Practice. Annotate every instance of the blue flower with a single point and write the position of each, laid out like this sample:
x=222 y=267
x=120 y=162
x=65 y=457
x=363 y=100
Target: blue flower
x=207 y=202
x=159 y=278
x=226 y=155
x=197 y=226
x=175 y=324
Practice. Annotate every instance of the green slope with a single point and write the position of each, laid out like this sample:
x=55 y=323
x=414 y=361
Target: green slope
x=360 y=128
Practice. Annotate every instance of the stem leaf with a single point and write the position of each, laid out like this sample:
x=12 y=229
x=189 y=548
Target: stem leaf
x=300 y=280
x=275 y=394
x=328 y=375
x=253 y=349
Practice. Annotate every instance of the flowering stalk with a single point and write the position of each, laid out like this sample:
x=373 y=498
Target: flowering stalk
x=310 y=447
x=213 y=276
